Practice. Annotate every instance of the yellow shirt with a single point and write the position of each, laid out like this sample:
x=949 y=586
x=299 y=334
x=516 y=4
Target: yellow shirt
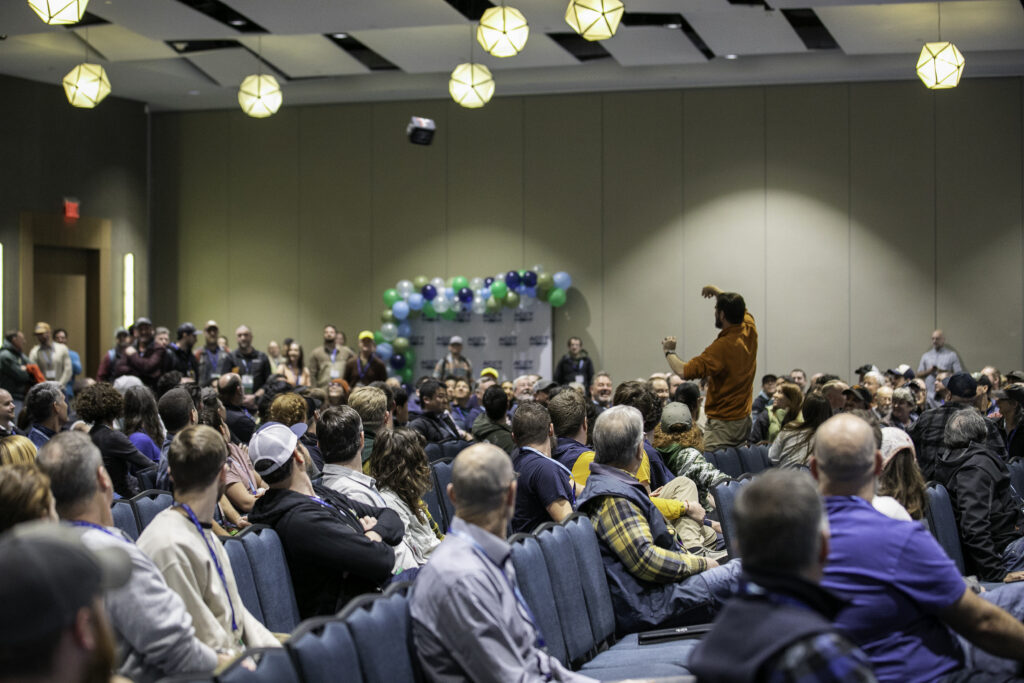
x=672 y=509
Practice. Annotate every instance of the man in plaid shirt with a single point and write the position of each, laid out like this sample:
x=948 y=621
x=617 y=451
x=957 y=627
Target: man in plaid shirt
x=654 y=581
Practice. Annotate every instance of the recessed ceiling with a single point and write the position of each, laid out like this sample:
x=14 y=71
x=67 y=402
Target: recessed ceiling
x=151 y=51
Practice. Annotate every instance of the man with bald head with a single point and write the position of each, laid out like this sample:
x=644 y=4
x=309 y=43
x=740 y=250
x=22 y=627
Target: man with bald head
x=232 y=395
x=469 y=619
x=251 y=364
x=937 y=359
x=907 y=596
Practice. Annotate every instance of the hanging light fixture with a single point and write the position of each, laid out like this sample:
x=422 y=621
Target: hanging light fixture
x=59 y=12
x=86 y=85
x=502 y=31
x=260 y=95
x=940 y=64
x=471 y=85
x=594 y=19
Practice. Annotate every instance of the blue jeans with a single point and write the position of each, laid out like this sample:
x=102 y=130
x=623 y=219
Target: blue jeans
x=1013 y=556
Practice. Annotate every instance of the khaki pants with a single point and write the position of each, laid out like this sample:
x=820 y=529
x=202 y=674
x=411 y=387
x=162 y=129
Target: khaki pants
x=692 y=534
x=722 y=434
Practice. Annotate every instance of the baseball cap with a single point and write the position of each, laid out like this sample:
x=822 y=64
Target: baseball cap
x=41 y=328
x=490 y=371
x=894 y=440
x=186 y=328
x=860 y=393
x=143 y=321
x=455 y=339
x=1013 y=392
x=366 y=334
x=274 y=442
x=864 y=369
x=119 y=332
x=211 y=323
x=49 y=574
x=676 y=414
x=962 y=385
x=545 y=385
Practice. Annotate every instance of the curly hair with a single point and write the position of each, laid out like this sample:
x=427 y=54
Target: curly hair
x=17 y=450
x=642 y=397
x=288 y=409
x=399 y=462
x=99 y=403
x=24 y=495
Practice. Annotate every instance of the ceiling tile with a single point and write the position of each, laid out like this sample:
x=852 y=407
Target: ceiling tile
x=117 y=43
x=744 y=30
x=651 y=45
x=17 y=18
x=161 y=19
x=305 y=56
x=329 y=16
x=229 y=66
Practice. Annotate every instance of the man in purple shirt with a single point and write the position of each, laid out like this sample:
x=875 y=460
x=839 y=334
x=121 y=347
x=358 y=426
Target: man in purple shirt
x=546 y=490
x=906 y=596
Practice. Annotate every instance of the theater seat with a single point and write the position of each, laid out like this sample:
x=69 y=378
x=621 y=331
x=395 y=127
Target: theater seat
x=151 y=503
x=244 y=579
x=381 y=631
x=271 y=577
x=754 y=459
x=535 y=584
x=725 y=495
x=442 y=477
x=452 y=448
x=147 y=478
x=728 y=461
x=273 y=665
x=1016 y=467
x=323 y=651
x=124 y=518
x=942 y=522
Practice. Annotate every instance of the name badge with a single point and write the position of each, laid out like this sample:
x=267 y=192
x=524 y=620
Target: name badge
x=51 y=374
x=335 y=373
x=247 y=383
x=580 y=379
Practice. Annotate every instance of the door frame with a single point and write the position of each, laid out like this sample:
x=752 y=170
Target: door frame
x=52 y=230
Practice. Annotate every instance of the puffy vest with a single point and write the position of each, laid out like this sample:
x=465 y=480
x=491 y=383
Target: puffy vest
x=568 y=451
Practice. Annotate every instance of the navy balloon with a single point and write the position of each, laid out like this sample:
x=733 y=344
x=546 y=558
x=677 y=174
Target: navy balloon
x=530 y=278
x=488 y=281
x=466 y=295
x=512 y=279
x=429 y=292
x=397 y=361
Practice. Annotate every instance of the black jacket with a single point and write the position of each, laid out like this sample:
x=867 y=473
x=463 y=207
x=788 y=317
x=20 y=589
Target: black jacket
x=182 y=360
x=120 y=456
x=240 y=424
x=432 y=429
x=568 y=368
x=330 y=558
x=254 y=363
x=987 y=514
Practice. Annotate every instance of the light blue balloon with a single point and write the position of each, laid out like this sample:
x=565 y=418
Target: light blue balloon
x=400 y=309
x=415 y=301
x=384 y=350
x=449 y=294
x=562 y=280
x=404 y=329
x=520 y=288
x=486 y=292
x=531 y=292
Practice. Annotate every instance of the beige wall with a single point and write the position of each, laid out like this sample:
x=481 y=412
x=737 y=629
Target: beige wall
x=854 y=218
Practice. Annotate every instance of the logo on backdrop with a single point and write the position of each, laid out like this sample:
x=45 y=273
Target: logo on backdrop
x=492 y=317
x=524 y=316
x=441 y=340
x=478 y=340
x=416 y=340
x=539 y=340
x=496 y=364
x=427 y=364
x=508 y=340
x=521 y=365
x=464 y=316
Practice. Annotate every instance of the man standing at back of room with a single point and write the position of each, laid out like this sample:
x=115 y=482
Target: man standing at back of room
x=939 y=358
x=252 y=365
x=729 y=364
x=328 y=362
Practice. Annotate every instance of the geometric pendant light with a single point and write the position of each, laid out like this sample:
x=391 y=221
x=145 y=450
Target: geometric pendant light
x=471 y=85
x=594 y=19
x=940 y=65
x=86 y=85
x=260 y=95
x=503 y=31
x=59 y=12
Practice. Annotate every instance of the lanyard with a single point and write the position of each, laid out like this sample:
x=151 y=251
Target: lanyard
x=334 y=354
x=211 y=358
x=216 y=562
x=97 y=527
x=247 y=364
x=361 y=369
x=524 y=609
x=244 y=470
x=568 y=472
x=579 y=365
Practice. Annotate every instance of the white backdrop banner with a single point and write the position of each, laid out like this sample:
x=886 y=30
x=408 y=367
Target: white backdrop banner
x=513 y=341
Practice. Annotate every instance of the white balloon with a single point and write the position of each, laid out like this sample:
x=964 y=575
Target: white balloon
x=526 y=302
x=404 y=288
x=439 y=284
x=476 y=283
x=479 y=306
x=538 y=269
x=389 y=331
x=441 y=304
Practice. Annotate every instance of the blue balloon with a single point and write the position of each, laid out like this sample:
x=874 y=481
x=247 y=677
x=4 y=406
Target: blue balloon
x=429 y=292
x=466 y=295
x=488 y=281
x=404 y=329
x=486 y=292
x=415 y=301
x=512 y=279
x=521 y=288
x=562 y=280
x=398 y=361
x=530 y=278
x=400 y=309
x=384 y=350
x=531 y=292
x=449 y=294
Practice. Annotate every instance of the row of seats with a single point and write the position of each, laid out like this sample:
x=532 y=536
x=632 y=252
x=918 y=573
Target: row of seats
x=133 y=515
x=737 y=461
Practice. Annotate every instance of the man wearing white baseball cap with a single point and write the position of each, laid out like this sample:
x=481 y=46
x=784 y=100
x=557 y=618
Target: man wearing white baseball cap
x=336 y=548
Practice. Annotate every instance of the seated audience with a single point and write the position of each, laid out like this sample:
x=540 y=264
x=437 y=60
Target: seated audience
x=434 y=423
x=142 y=422
x=684 y=461
x=461 y=410
x=242 y=486
x=688 y=393
x=546 y=490
x=101 y=404
x=7 y=414
x=492 y=424
x=761 y=401
x=17 y=450
x=795 y=442
x=469 y=620
x=784 y=410
x=1011 y=404
x=568 y=413
x=901 y=478
x=232 y=395
x=909 y=594
x=193 y=561
x=341 y=437
x=399 y=465
x=988 y=515
x=371 y=404
x=857 y=397
x=24 y=496
x=654 y=582
x=177 y=411
x=47 y=411
x=779 y=626
x=292 y=409
x=337 y=547
x=55 y=585
x=154 y=631
x=640 y=396
x=902 y=411
x=834 y=391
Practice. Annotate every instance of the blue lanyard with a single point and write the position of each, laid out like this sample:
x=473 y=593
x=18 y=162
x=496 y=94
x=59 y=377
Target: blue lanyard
x=579 y=365
x=211 y=358
x=323 y=503
x=97 y=527
x=568 y=472
x=334 y=354
x=216 y=562
x=525 y=610
x=361 y=369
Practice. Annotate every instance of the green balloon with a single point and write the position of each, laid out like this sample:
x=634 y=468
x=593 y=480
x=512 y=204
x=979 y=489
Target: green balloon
x=511 y=299
x=544 y=292
x=545 y=280
x=400 y=345
x=499 y=289
x=420 y=281
x=377 y=337
x=522 y=273
x=450 y=314
x=428 y=311
x=557 y=297
x=410 y=357
x=459 y=283
x=406 y=374
x=391 y=296
x=493 y=305
x=386 y=316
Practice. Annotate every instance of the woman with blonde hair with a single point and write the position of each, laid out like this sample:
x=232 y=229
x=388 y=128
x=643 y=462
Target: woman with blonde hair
x=24 y=496
x=17 y=450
